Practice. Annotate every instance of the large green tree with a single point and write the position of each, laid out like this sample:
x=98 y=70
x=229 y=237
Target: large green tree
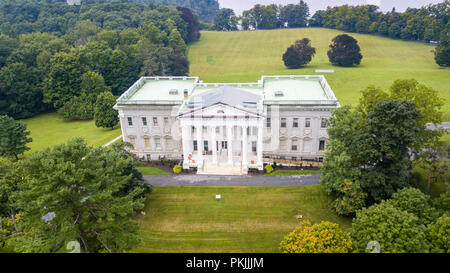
x=345 y=51
x=104 y=114
x=396 y=231
x=73 y=192
x=367 y=157
x=13 y=137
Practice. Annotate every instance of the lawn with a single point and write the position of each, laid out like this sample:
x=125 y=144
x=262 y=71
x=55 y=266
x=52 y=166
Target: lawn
x=151 y=171
x=294 y=172
x=50 y=129
x=247 y=55
x=246 y=219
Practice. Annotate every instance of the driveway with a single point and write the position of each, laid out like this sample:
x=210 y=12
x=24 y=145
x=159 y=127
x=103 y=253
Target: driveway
x=207 y=180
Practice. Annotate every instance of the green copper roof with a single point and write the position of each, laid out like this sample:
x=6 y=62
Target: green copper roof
x=283 y=90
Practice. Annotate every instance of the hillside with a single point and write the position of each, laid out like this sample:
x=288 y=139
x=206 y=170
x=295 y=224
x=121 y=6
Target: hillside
x=245 y=56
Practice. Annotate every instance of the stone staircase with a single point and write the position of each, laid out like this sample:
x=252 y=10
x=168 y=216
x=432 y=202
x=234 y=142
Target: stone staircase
x=221 y=169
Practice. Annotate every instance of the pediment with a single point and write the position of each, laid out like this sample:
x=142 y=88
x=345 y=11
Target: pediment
x=221 y=110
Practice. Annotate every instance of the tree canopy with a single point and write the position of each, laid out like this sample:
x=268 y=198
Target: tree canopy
x=299 y=54
x=345 y=51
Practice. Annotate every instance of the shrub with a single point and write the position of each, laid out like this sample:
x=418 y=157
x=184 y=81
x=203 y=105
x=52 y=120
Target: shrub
x=78 y=108
x=268 y=168
x=438 y=235
x=325 y=237
x=177 y=169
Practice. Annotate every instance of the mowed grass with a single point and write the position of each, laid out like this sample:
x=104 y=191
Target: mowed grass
x=247 y=55
x=152 y=171
x=246 y=219
x=50 y=129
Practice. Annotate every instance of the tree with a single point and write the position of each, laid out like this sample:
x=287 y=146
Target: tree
x=325 y=237
x=225 y=20
x=295 y=15
x=20 y=91
x=175 y=40
x=396 y=231
x=104 y=114
x=193 y=27
x=344 y=51
x=442 y=52
x=438 y=234
x=299 y=54
x=63 y=81
x=92 y=84
x=367 y=157
x=13 y=137
x=70 y=193
x=414 y=201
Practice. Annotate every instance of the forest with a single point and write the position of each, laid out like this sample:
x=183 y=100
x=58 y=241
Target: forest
x=54 y=56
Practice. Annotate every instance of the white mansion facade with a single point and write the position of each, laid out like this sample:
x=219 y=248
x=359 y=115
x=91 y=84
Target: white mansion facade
x=227 y=126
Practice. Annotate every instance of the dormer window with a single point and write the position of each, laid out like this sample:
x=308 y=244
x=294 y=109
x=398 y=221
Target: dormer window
x=173 y=92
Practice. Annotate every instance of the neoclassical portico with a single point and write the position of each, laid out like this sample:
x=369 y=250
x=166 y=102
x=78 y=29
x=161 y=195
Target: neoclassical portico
x=220 y=119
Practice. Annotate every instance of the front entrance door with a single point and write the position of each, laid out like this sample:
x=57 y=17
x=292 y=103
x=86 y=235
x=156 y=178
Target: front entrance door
x=224 y=145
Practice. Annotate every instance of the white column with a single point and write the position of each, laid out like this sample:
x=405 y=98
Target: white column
x=214 y=144
x=185 y=139
x=230 y=144
x=259 y=147
x=244 y=145
x=199 y=129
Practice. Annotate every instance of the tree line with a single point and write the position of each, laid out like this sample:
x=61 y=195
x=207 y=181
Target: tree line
x=429 y=23
x=85 y=51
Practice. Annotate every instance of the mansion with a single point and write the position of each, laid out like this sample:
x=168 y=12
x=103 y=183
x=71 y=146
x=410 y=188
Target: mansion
x=227 y=128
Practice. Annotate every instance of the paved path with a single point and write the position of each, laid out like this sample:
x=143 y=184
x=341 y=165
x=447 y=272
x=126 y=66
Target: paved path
x=207 y=180
x=112 y=141
x=444 y=125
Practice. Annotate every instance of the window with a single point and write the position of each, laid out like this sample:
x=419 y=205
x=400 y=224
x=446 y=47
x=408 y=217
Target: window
x=144 y=121
x=295 y=123
x=248 y=131
x=204 y=130
x=283 y=123
x=166 y=121
x=255 y=131
x=155 y=121
x=195 y=145
x=147 y=142
x=157 y=143
x=205 y=145
x=282 y=144
x=294 y=145
x=253 y=146
x=130 y=121
x=323 y=123
x=193 y=129
x=307 y=122
x=321 y=145
x=168 y=143
x=268 y=122
x=217 y=130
